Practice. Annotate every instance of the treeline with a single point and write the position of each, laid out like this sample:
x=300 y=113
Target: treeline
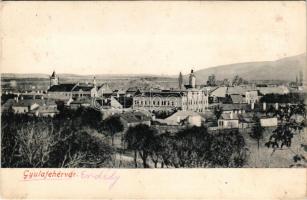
x=283 y=98
x=191 y=147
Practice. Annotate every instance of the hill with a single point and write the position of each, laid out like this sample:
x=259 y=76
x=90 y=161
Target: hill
x=283 y=69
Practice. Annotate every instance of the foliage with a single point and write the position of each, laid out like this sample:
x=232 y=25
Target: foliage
x=226 y=82
x=283 y=98
x=211 y=80
x=113 y=125
x=237 y=80
x=257 y=130
x=164 y=113
x=288 y=127
x=139 y=138
x=46 y=142
x=5 y=97
x=190 y=147
x=218 y=111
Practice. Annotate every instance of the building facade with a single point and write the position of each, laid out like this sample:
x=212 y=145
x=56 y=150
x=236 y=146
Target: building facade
x=70 y=90
x=190 y=99
x=251 y=97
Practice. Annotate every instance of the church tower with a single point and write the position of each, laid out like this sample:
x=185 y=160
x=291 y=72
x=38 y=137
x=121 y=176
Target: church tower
x=192 y=79
x=180 y=81
x=54 y=79
x=94 y=82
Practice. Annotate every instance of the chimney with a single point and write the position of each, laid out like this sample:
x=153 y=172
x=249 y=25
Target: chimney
x=264 y=106
x=276 y=106
x=252 y=105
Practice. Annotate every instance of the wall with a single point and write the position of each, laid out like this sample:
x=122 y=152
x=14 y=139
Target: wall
x=20 y=109
x=267 y=122
x=228 y=123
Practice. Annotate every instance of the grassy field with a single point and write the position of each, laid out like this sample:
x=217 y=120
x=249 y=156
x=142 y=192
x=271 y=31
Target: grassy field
x=268 y=158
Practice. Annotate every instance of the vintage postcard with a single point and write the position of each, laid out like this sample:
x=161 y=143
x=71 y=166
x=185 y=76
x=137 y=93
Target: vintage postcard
x=153 y=100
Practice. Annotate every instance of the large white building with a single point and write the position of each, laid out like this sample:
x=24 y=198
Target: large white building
x=191 y=98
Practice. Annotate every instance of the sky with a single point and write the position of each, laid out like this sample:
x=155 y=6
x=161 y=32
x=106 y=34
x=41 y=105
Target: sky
x=161 y=38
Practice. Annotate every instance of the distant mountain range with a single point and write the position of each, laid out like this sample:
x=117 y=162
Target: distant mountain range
x=283 y=69
x=79 y=76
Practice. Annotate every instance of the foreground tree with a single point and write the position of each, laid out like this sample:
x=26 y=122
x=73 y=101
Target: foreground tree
x=257 y=130
x=113 y=125
x=139 y=139
x=45 y=142
x=288 y=127
x=192 y=147
x=195 y=147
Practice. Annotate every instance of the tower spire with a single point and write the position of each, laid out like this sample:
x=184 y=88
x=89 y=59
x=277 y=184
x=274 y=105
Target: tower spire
x=54 y=80
x=180 y=80
x=94 y=81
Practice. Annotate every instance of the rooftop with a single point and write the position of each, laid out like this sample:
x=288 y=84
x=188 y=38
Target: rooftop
x=229 y=116
x=83 y=88
x=29 y=102
x=67 y=87
x=82 y=101
x=131 y=117
x=219 y=92
x=229 y=107
x=236 y=98
x=163 y=94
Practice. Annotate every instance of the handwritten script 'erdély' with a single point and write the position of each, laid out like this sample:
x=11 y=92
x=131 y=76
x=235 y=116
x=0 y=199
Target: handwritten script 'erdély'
x=107 y=176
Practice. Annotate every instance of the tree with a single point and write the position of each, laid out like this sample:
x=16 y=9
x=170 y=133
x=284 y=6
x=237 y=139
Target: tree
x=46 y=142
x=257 y=130
x=288 y=127
x=237 y=80
x=211 y=80
x=81 y=117
x=113 y=125
x=195 y=147
x=295 y=98
x=218 y=111
x=139 y=139
x=155 y=149
x=226 y=82
x=271 y=109
x=84 y=150
x=167 y=149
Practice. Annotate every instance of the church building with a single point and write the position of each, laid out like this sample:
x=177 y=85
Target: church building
x=67 y=91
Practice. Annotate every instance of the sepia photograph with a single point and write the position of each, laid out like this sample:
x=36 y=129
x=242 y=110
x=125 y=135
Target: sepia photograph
x=139 y=90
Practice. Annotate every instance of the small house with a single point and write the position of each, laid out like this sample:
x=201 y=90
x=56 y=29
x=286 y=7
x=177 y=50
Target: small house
x=228 y=121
